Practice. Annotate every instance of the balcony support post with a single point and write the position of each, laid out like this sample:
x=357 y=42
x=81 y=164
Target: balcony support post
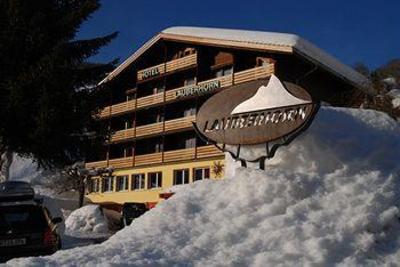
x=133 y=154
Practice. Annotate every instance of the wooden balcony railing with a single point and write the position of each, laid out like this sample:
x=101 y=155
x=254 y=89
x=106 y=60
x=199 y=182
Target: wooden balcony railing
x=170 y=66
x=208 y=151
x=121 y=162
x=179 y=124
x=148 y=159
x=97 y=164
x=157 y=158
x=179 y=155
x=153 y=129
x=170 y=95
x=149 y=129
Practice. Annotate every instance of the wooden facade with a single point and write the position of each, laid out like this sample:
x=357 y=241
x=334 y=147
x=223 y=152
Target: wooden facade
x=155 y=96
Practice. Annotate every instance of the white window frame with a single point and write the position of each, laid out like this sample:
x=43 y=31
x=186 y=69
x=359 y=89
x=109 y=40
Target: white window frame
x=203 y=173
x=141 y=176
x=94 y=185
x=98 y=189
x=184 y=178
x=125 y=183
x=110 y=186
x=158 y=180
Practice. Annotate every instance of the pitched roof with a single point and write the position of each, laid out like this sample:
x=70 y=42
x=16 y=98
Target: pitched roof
x=270 y=41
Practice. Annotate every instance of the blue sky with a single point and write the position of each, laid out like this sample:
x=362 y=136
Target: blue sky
x=353 y=31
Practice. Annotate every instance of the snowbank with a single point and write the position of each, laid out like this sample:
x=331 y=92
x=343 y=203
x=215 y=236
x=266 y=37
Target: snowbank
x=24 y=169
x=331 y=197
x=358 y=139
x=395 y=95
x=87 y=220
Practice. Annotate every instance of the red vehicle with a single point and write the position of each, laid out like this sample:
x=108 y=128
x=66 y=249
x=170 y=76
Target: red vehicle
x=26 y=226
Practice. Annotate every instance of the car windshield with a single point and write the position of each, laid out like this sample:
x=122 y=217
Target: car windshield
x=22 y=218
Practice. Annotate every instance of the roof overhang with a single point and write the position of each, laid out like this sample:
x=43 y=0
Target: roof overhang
x=252 y=40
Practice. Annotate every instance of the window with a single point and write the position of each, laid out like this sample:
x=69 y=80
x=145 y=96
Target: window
x=122 y=183
x=181 y=176
x=158 y=147
x=158 y=88
x=201 y=173
x=137 y=181
x=154 y=180
x=188 y=51
x=263 y=61
x=22 y=218
x=97 y=185
x=189 y=111
x=189 y=81
x=130 y=97
x=190 y=142
x=94 y=185
x=128 y=152
x=223 y=72
x=159 y=117
x=128 y=123
x=108 y=184
x=89 y=188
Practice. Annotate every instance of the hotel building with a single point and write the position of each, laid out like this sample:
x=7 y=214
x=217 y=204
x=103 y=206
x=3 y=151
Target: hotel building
x=156 y=93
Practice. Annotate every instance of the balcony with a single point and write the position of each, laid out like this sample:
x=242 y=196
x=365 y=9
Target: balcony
x=171 y=95
x=169 y=126
x=165 y=68
x=202 y=152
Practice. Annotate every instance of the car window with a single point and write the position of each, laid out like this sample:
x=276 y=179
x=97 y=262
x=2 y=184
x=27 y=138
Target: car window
x=25 y=218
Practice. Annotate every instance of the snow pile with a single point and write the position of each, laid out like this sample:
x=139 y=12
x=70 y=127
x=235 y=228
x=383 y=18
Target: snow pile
x=395 y=95
x=86 y=221
x=355 y=138
x=331 y=197
x=24 y=169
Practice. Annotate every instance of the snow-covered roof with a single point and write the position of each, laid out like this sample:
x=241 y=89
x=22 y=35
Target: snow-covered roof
x=273 y=41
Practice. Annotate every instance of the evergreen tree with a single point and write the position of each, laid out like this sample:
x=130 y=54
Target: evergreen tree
x=390 y=70
x=363 y=69
x=48 y=86
x=383 y=79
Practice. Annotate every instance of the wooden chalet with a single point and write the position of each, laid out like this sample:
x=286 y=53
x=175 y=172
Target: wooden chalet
x=156 y=93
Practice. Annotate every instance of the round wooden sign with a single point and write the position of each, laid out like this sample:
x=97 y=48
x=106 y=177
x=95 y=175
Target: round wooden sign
x=256 y=112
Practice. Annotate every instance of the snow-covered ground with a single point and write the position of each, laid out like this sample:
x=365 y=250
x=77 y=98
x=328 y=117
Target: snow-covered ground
x=331 y=197
x=24 y=169
x=87 y=221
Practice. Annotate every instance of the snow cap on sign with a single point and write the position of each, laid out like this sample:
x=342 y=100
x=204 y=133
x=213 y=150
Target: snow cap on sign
x=274 y=95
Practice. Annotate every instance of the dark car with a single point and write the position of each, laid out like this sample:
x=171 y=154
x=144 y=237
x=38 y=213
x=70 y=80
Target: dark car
x=26 y=226
x=131 y=211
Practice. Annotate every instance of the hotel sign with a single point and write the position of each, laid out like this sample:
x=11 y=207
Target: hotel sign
x=151 y=72
x=198 y=89
x=256 y=112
